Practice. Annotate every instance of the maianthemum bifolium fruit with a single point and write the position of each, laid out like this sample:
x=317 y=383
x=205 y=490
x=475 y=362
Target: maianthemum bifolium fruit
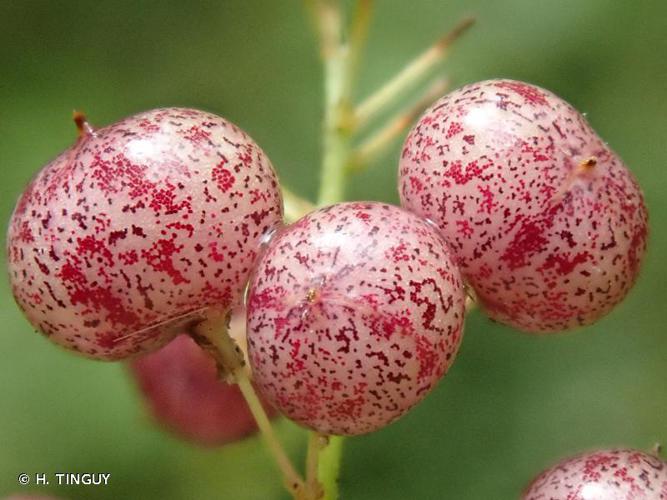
x=355 y=312
x=619 y=474
x=548 y=225
x=138 y=225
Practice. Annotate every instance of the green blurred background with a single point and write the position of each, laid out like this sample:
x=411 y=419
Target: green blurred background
x=511 y=404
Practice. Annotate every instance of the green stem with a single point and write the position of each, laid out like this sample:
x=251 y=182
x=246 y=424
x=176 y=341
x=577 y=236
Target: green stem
x=341 y=66
x=316 y=442
x=337 y=107
x=378 y=144
x=212 y=334
x=329 y=466
x=358 y=33
x=291 y=478
x=415 y=72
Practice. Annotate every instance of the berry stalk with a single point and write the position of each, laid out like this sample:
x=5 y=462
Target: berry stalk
x=377 y=144
x=213 y=336
x=409 y=76
x=316 y=443
x=329 y=466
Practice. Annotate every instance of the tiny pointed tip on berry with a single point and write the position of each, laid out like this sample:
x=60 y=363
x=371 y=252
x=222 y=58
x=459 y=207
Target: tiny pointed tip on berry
x=588 y=163
x=84 y=128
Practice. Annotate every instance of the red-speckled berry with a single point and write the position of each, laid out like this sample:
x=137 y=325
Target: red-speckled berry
x=139 y=223
x=547 y=223
x=354 y=313
x=603 y=475
x=185 y=394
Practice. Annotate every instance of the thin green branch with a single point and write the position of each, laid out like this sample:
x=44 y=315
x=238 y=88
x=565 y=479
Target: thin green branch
x=291 y=478
x=326 y=18
x=316 y=443
x=379 y=143
x=336 y=133
x=411 y=75
x=213 y=336
x=329 y=466
x=356 y=42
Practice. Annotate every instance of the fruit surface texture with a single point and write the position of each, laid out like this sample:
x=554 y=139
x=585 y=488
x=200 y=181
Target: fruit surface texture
x=138 y=225
x=354 y=313
x=547 y=223
x=603 y=475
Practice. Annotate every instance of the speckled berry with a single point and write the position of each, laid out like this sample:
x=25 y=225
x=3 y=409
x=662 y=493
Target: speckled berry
x=354 y=313
x=547 y=223
x=603 y=475
x=138 y=224
x=184 y=393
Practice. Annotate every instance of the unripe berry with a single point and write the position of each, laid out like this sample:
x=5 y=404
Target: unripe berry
x=547 y=223
x=138 y=224
x=185 y=394
x=603 y=475
x=354 y=313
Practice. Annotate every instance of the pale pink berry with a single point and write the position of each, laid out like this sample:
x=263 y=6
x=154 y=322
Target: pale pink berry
x=603 y=475
x=547 y=223
x=137 y=225
x=183 y=390
x=354 y=313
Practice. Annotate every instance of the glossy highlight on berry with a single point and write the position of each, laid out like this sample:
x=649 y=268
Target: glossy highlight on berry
x=137 y=226
x=603 y=475
x=354 y=313
x=547 y=223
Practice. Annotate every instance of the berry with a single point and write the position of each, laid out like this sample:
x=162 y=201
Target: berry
x=354 y=313
x=184 y=393
x=603 y=475
x=137 y=225
x=547 y=223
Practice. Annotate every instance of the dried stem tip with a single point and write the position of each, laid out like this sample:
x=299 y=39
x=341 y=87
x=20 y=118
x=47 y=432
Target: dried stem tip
x=585 y=166
x=455 y=33
x=410 y=75
x=588 y=163
x=82 y=124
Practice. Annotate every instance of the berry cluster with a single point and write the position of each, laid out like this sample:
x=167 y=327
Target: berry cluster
x=355 y=311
